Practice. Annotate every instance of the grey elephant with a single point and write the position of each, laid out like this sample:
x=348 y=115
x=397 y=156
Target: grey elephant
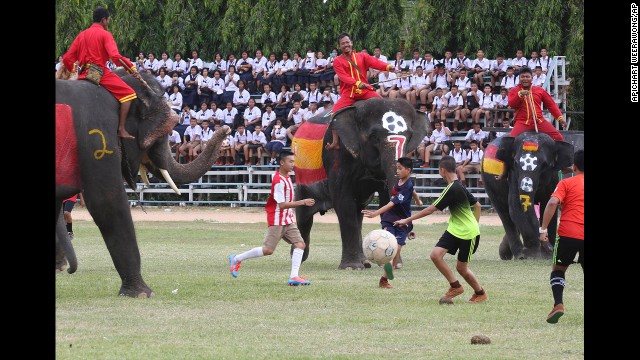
x=374 y=133
x=531 y=162
x=90 y=159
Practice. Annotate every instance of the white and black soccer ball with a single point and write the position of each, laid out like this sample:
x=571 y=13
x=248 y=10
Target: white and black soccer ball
x=528 y=162
x=393 y=122
x=380 y=246
x=526 y=184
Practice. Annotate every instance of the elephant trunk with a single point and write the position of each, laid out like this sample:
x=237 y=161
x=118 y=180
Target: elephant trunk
x=527 y=221
x=63 y=244
x=187 y=173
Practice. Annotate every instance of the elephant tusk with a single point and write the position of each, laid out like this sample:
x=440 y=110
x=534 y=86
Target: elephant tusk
x=167 y=177
x=143 y=175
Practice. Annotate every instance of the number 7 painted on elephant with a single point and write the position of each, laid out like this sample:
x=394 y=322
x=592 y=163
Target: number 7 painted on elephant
x=398 y=141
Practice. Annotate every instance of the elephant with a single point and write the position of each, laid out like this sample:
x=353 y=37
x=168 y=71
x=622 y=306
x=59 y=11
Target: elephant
x=90 y=157
x=374 y=133
x=531 y=162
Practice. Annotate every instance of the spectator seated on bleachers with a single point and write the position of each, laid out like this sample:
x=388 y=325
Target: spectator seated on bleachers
x=475 y=134
x=471 y=164
x=278 y=141
x=439 y=143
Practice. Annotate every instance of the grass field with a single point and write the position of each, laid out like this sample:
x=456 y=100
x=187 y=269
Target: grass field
x=341 y=315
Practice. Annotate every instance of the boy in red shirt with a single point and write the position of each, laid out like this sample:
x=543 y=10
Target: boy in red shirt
x=280 y=218
x=570 y=194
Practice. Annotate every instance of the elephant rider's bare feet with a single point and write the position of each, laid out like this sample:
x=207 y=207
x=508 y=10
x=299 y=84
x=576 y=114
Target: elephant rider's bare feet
x=332 y=146
x=125 y=135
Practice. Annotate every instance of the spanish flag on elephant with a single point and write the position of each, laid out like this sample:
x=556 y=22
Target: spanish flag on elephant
x=307 y=146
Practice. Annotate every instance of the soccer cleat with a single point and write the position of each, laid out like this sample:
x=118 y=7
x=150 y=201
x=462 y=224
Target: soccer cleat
x=297 y=280
x=388 y=269
x=234 y=265
x=384 y=283
x=453 y=292
x=70 y=233
x=555 y=314
x=475 y=298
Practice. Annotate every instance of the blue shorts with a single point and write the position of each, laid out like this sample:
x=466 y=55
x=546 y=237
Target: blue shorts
x=400 y=232
x=68 y=205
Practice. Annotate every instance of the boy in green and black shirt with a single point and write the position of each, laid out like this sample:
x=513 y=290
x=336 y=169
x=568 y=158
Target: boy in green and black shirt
x=462 y=234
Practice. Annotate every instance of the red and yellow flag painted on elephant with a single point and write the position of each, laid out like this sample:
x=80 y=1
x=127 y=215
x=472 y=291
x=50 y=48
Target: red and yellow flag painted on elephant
x=530 y=146
x=307 y=146
x=67 y=172
x=490 y=164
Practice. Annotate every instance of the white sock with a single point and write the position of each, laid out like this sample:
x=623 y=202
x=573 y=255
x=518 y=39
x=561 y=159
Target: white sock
x=250 y=254
x=296 y=260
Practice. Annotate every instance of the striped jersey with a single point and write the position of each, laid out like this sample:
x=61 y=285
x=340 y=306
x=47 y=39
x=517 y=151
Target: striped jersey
x=281 y=191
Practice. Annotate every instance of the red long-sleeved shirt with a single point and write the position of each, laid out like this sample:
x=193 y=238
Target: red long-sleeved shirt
x=350 y=76
x=95 y=45
x=523 y=112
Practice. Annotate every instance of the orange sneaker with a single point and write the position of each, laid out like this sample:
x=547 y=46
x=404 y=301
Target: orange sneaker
x=555 y=314
x=475 y=298
x=384 y=283
x=453 y=292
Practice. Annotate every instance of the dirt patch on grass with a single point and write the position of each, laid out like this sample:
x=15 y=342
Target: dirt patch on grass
x=248 y=215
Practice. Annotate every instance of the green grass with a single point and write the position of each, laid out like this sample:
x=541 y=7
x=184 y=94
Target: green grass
x=341 y=315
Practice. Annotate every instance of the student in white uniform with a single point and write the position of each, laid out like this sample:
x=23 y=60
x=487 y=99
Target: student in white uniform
x=252 y=116
x=257 y=70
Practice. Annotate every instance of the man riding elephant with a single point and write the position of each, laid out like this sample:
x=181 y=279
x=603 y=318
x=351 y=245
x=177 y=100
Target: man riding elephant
x=352 y=68
x=92 y=48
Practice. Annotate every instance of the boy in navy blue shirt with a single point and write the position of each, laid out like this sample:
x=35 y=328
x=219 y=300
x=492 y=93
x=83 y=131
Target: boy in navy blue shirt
x=398 y=208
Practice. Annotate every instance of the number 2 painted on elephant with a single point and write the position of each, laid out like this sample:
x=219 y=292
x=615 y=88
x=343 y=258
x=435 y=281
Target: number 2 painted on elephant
x=398 y=141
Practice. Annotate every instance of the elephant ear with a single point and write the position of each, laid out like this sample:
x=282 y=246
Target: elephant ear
x=564 y=155
x=348 y=130
x=505 y=149
x=420 y=128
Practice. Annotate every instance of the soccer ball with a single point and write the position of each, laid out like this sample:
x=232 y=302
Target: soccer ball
x=380 y=246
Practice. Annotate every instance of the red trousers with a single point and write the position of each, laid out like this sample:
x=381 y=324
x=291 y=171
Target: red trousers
x=544 y=126
x=345 y=101
x=115 y=85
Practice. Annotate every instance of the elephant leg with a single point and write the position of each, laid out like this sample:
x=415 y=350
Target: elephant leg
x=351 y=232
x=108 y=205
x=505 y=249
x=513 y=237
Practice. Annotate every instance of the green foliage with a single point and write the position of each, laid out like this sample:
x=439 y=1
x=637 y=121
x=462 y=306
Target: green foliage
x=496 y=26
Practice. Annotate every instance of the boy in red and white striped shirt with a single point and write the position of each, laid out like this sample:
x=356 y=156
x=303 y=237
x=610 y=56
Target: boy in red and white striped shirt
x=280 y=218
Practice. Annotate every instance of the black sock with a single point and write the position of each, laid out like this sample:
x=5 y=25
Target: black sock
x=557 y=286
x=455 y=284
x=479 y=292
x=69 y=227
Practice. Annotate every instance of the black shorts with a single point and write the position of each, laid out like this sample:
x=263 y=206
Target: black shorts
x=68 y=205
x=453 y=244
x=565 y=250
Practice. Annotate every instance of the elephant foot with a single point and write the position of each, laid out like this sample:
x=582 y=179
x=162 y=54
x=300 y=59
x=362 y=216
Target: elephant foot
x=352 y=265
x=61 y=265
x=504 y=250
x=138 y=292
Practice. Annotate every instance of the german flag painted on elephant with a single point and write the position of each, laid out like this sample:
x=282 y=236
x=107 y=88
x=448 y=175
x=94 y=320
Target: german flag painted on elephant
x=307 y=146
x=530 y=146
x=491 y=164
x=67 y=172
